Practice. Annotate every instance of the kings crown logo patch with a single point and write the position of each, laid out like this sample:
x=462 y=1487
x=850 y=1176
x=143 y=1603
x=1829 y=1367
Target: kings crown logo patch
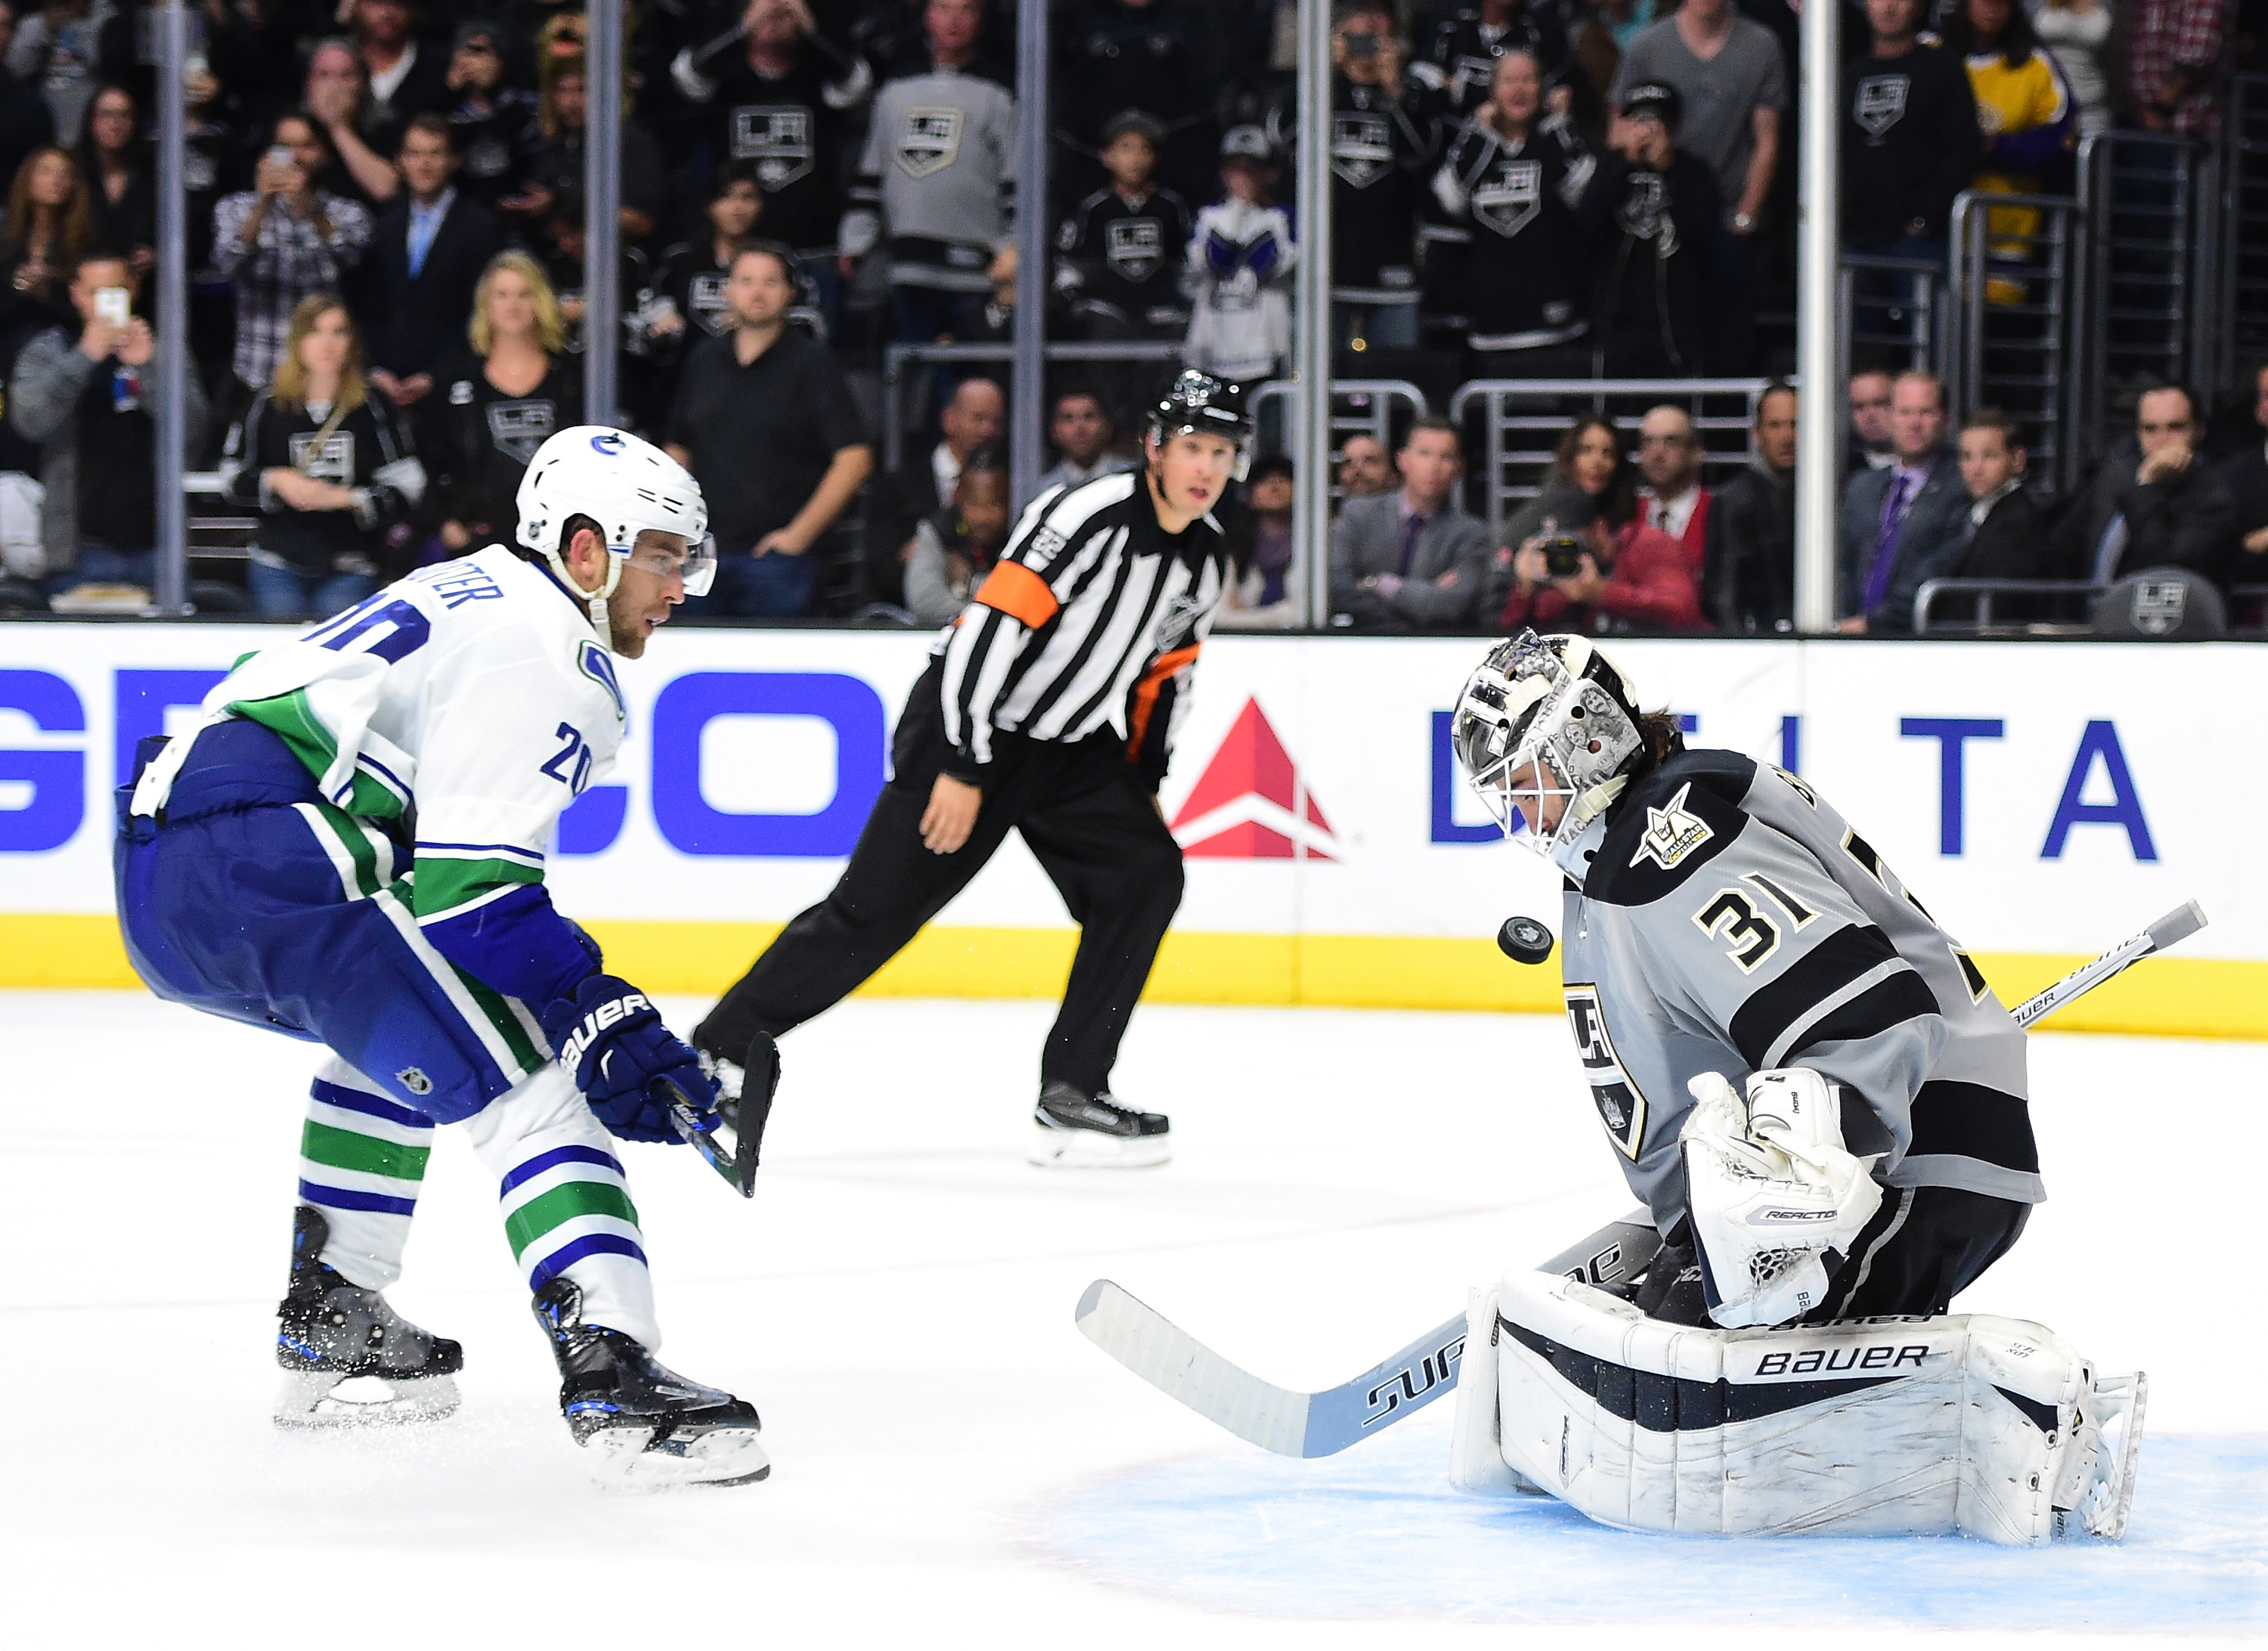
x=1671 y=833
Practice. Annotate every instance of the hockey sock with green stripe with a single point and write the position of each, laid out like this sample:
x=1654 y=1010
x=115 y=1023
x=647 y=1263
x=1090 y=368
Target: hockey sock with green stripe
x=565 y=1201
x=362 y=1160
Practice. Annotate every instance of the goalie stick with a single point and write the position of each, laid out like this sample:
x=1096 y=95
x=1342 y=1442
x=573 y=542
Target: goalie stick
x=1295 y=1424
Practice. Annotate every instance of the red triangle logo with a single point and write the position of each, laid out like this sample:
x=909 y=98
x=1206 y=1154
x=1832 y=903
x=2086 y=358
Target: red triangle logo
x=1250 y=802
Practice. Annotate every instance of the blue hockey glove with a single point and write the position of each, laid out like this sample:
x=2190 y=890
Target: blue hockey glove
x=626 y=1063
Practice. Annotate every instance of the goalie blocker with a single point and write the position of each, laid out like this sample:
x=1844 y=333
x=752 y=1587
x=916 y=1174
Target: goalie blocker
x=1989 y=1427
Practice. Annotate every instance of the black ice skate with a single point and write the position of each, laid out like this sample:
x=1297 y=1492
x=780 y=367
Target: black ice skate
x=641 y=1423
x=1078 y=1131
x=333 y=1331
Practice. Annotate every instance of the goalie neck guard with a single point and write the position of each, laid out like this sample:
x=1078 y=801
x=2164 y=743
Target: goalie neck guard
x=628 y=487
x=1544 y=717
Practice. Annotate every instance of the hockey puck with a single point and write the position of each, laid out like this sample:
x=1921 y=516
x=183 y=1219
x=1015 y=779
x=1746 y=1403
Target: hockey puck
x=1524 y=940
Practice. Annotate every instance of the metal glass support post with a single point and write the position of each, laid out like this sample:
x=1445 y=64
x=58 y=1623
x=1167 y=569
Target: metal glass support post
x=1029 y=374
x=173 y=357
x=1820 y=406
x=1311 y=425
x=602 y=210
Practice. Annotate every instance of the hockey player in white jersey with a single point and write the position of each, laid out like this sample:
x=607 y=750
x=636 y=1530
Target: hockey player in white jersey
x=348 y=847
x=1823 y=1107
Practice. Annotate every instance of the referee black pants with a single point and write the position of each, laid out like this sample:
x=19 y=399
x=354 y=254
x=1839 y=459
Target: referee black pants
x=1087 y=819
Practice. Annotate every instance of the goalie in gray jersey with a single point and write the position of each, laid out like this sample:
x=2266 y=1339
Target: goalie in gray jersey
x=1809 y=1084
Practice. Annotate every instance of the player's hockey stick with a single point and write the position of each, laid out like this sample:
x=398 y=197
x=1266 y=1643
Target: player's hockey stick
x=731 y=1139
x=2178 y=925
x=1295 y=1424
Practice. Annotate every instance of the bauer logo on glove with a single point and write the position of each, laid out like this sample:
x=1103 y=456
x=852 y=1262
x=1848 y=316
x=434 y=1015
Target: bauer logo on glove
x=579 y=1040
x=625 y=1061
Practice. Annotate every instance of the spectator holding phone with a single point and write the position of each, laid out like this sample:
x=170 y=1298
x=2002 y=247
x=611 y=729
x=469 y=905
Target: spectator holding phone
x=282 y=241
x=329 y=466
x=491 y=123
x=85 y=393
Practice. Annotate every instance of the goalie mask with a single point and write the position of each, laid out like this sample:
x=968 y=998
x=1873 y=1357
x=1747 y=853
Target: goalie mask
x=626 y=486
x=1545 y=718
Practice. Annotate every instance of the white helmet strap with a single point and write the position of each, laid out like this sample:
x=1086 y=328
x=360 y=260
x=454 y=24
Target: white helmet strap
x=594 y=601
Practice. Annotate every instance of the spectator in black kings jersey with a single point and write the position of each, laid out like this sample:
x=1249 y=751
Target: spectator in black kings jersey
x=492 y=123
x=1381 y=145
x=692 y=273
x=1518 y=184
x=1911 y=141
x=765 y=422
x=426 y=256
x=497 y=403
x=777 y=96
x=1656 y=209
x=1460 y=61
x=329 y=468
x=1119 y=260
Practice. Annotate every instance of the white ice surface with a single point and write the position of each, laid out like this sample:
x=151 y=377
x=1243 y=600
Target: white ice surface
x=954 y=1464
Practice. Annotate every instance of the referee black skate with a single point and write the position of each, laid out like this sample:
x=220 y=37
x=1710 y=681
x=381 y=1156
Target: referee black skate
x=1049 y=708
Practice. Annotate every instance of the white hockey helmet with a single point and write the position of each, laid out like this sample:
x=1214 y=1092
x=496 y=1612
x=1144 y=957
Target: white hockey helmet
x=1554 y=713
x=628 y=487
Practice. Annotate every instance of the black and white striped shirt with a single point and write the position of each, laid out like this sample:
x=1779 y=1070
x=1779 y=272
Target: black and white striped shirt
x=1092 y=617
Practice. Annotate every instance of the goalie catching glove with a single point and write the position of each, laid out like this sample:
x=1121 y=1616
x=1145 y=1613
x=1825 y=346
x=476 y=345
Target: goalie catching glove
x=627 y=1064
x=1777 y=1201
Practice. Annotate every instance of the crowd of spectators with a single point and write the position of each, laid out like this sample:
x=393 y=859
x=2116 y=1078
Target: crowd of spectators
x=387 y=232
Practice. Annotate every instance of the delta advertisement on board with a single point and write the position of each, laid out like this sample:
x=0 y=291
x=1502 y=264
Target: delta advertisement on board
x=2043 y=799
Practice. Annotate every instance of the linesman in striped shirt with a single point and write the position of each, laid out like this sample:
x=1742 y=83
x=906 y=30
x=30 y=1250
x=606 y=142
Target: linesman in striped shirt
x=1049 y=708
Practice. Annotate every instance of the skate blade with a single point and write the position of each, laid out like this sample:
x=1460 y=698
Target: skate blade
x=626 y=1457
x=1091 y=1149
x=312 y=1398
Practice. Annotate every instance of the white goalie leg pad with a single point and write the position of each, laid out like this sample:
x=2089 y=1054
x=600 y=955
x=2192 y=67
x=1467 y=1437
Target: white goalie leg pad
x=1993 y=1427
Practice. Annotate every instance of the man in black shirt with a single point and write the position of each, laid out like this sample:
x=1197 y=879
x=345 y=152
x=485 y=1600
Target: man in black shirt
x=765 y=422
x=1657 y=210
x=1910 y=137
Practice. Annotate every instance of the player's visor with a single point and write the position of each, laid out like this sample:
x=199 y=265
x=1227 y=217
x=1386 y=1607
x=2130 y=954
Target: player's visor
x=696 y=566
